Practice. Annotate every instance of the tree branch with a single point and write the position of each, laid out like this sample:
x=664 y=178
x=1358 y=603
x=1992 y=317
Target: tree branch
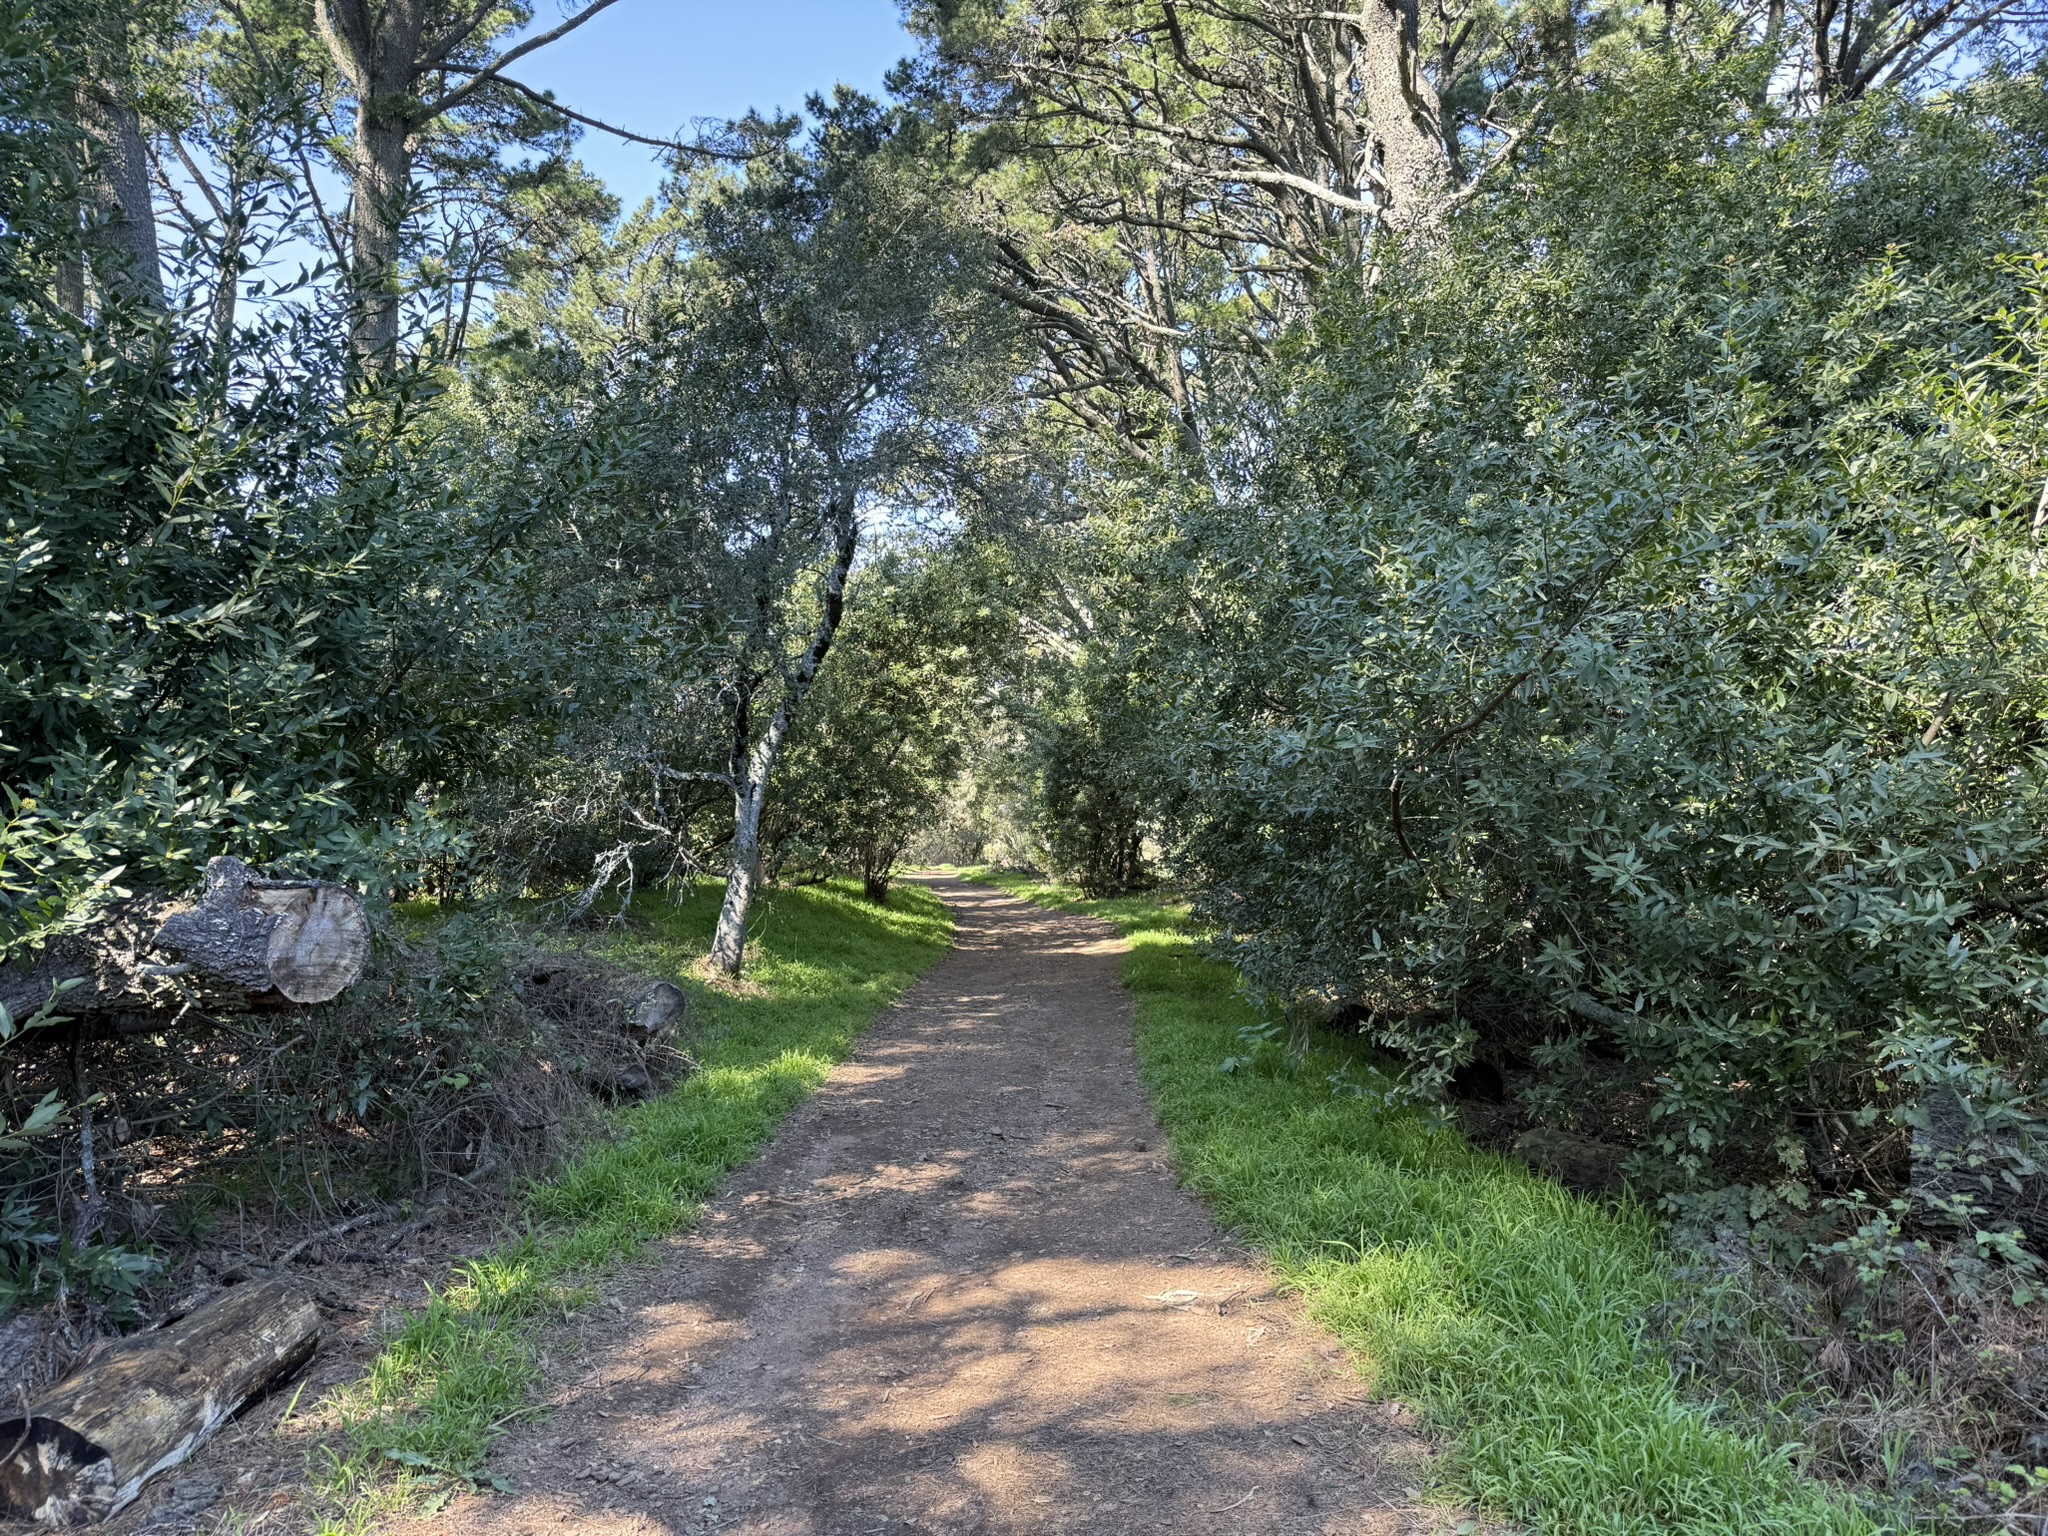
x=694 y=150
x=462 y=33
x=511 y=56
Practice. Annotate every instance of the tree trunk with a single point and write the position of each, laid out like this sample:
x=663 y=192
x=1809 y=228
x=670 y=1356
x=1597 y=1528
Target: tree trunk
x=1966 y=1178
x=383 y=181
x=728 y=945
x=234 y=239
x=143 y=1406
x=377 y=46
x=1409 y=154
x=71 y=286
x=244 y=941
x=120 y=186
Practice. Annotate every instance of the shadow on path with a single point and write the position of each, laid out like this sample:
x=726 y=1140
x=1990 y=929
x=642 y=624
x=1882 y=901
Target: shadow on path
x=961 y=1293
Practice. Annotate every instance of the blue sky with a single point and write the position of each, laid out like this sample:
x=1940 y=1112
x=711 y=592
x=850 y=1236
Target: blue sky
x=656 y=65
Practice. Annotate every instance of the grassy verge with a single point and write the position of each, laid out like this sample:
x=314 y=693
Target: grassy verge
x=1505 y=1308
x=822 y=964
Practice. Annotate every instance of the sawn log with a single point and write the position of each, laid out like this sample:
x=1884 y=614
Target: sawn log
x=245 y=941
x=143 y=1406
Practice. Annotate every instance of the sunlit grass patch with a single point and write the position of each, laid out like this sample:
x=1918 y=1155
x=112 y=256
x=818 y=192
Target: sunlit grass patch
x=458 y=1373
x=1510 y=1311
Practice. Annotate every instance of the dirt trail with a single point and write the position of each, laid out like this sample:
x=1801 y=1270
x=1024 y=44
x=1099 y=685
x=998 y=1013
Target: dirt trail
x=960 y=1293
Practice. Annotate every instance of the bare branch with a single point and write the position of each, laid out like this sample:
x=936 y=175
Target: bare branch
x=511 y=56
x=198 y=176
x=696 y=151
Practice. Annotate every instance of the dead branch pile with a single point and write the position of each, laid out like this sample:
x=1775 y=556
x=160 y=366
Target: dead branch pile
x=468 y=1058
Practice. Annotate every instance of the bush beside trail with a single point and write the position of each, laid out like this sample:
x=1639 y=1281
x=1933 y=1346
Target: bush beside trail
x=1624 y=670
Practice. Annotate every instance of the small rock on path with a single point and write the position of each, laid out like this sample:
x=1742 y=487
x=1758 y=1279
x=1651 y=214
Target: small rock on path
x=960 y=1293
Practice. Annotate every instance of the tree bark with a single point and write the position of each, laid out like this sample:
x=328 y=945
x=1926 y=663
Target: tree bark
x=71 y=286
x=131 y=262
x=383 y=183
x=90 y=1443
x=378 y=49
x=728 y=944
x=1409 y=156
x=750 y=796
x=245 y=941
x=387 y=50
x=1965 y=1179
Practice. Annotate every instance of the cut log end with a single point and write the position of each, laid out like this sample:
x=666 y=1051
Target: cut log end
x=306 y=940
x=658 y=1012
x=321 y=944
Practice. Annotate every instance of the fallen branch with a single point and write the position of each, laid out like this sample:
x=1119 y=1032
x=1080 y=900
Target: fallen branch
x=1596 y=1012
x=339 y=1229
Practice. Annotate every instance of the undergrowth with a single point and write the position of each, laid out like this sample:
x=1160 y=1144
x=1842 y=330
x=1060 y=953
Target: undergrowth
x=1510 y=1311
x=823 y=962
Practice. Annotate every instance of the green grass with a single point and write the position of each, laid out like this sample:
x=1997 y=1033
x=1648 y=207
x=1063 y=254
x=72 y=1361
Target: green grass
x=821 y=965
x=1505 y=1308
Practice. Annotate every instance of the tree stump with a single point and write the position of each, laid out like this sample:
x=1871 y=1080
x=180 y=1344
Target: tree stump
x=91 y=1442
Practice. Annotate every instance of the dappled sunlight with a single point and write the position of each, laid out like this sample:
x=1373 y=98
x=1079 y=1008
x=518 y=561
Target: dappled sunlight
x=446 y=1387
x=981 y=1335
x=961 y=1293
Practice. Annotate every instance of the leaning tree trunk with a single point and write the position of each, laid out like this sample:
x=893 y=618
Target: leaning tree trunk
x=728 y=944
x=245 y=942
x=750 y=794
x=89 y=1444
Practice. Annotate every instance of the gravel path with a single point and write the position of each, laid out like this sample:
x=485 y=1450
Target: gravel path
x=961 y=1293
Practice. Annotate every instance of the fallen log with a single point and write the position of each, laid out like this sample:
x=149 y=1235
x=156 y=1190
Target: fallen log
x=90 y=1443
x=1579 y=1163
x=244 y=942
x=1967 y=1178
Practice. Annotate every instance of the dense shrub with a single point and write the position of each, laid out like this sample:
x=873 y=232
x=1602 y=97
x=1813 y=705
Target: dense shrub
x=251 y=601
x=1092 y=805
x=1632 y=647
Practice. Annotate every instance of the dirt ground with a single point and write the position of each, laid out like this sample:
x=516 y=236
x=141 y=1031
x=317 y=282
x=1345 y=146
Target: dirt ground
x=960 y=1293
